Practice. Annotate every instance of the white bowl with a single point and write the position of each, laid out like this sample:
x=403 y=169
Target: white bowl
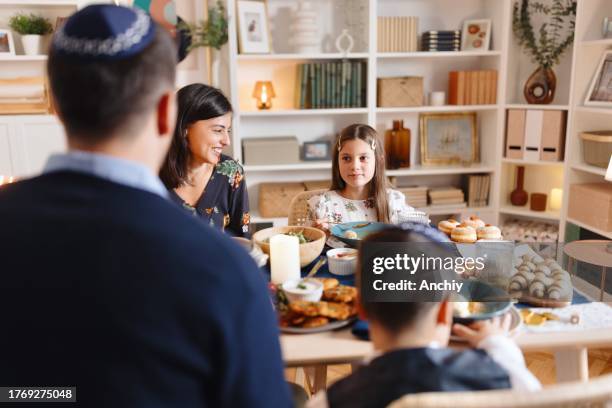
x=311 y=293
x=345 y=265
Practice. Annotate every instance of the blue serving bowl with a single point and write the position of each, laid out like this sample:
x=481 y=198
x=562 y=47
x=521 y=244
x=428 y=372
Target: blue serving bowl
x=493 y=301
x=361 y=229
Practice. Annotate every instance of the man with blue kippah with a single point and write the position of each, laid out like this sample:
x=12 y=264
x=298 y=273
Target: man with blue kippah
x=106 y=285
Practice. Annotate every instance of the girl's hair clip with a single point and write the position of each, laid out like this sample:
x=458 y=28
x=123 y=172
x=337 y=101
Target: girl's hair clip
x=373 y=145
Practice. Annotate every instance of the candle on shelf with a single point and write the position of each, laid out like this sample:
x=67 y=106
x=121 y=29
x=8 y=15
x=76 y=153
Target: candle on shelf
x=284 y=258
x=556 y=197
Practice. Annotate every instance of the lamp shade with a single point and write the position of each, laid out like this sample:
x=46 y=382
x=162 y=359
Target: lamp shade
x=609 y=172
x=263 y=88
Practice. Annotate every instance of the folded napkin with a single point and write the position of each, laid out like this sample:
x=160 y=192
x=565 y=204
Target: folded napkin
x=361 y=330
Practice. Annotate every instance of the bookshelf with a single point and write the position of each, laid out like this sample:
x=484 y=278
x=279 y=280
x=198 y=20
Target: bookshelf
x=315 y=124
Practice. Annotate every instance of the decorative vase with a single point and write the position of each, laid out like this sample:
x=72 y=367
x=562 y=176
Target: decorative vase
x=304 y=29
x=540 y=86
x=397 y=146
x=31 y=44
x=538 y=202
x=519 y=196
x=350 y=42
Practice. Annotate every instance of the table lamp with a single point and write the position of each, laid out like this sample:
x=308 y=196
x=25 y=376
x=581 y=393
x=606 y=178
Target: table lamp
x=609 y=172
x=264 y=92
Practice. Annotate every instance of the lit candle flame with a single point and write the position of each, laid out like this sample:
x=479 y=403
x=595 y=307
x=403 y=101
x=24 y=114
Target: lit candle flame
x=264 y=94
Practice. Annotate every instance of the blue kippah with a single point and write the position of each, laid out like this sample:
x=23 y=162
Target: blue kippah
x=104 y=32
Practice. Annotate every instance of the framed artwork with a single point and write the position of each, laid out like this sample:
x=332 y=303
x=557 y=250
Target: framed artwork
x=476 y=35
x=600 y=91
x=253 y=32
x=7 y=46
x=449 y=138
x=317 y=150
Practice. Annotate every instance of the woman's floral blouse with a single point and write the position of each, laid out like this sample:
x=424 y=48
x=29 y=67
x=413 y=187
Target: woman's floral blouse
x=334 y=208
x=224 y=203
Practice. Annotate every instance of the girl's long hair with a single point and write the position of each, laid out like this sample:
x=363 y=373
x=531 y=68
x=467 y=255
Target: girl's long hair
x=378 y=184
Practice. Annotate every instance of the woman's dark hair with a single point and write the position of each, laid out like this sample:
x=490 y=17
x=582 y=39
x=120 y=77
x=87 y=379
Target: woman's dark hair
x=195 y=102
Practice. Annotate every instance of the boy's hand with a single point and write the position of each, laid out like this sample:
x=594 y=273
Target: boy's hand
x=480 y=330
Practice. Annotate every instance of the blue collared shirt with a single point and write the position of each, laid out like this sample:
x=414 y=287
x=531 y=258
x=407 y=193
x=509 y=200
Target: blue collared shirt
x=110 y=168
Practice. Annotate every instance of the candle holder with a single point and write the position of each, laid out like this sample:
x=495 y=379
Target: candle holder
x=263 y=92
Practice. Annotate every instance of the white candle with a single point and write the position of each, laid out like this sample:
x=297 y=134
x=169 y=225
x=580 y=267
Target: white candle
x=284 y=258
x=556 y=196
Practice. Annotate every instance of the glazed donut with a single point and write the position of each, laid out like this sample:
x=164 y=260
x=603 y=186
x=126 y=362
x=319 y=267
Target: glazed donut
x=447 y=226
x=474 y=222
x=464 y=234
x=489 y=232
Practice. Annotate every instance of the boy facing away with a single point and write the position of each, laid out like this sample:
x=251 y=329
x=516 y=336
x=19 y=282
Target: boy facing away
x=411 y=340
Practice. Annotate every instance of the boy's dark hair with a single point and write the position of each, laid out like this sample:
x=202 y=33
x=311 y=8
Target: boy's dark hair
x=97 y=99
x=195 y=102
x=396 y=316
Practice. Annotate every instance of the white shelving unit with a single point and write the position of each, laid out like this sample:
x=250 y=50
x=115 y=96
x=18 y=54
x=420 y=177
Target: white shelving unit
x=315 y=124
x=27 y=140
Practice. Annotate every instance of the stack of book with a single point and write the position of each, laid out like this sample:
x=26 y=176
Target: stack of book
x=472 y=87
x=337 y=84
x=446 y=197
x=478 y=190
x=397 y=34
x=415 y=196
x=441 y=41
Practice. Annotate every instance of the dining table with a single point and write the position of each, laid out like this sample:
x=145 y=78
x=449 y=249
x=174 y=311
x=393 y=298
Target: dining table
x=569 y=344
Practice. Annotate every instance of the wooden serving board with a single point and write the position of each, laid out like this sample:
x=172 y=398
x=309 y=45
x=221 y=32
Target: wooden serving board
x=539 y=302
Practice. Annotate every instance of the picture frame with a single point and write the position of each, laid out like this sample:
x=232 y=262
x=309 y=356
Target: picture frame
x=476 y=35
x=600 y=90
x=7 y=45
x=253 y=33
x=449 y=138
x=316 y=151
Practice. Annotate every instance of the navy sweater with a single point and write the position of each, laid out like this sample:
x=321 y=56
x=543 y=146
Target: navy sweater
x=118 y=292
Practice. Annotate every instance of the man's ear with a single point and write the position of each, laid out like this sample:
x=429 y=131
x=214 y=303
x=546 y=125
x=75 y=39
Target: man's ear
x=445 y=315
x=166 y=113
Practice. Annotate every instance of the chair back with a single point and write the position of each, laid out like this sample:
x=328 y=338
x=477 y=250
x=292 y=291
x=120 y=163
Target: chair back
x=298 y=209
x=596 y=393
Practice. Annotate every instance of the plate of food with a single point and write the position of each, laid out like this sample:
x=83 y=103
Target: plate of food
x=335 y=309
x=479 y=301
x=353 y=232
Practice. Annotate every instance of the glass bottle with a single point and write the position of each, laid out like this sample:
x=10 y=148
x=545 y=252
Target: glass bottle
x=397 y=146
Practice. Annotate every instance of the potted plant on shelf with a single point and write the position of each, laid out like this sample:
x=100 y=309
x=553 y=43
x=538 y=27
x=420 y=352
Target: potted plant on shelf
x=31 y=28
x=555 y=35
x=210 y=33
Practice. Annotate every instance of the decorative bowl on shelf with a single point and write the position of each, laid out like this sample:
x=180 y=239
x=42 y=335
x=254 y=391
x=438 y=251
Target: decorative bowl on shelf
x=309 y=251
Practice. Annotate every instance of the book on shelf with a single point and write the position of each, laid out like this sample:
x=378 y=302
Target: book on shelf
x=477 y=188
x=336 y=84
x=472 y=87
x=462 y=204
x=397 y=34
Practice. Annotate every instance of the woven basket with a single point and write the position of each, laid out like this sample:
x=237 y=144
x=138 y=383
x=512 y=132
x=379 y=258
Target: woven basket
x=274 y=198
x=597 y=148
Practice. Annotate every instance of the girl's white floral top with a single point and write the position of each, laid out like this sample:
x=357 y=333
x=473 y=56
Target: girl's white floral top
x=334 y=208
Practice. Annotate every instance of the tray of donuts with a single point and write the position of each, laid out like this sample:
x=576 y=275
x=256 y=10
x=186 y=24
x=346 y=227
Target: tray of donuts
x=540 y=281
x=469 y=230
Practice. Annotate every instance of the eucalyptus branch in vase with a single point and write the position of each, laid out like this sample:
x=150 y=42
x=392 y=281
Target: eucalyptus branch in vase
x=553 y=38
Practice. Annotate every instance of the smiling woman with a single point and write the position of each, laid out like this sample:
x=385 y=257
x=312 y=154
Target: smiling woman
x=199 y=177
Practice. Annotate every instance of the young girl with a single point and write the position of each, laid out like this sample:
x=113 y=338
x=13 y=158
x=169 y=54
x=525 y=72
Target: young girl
x=359 y=188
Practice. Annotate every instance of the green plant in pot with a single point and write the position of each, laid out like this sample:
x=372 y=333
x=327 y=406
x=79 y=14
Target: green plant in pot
x=211 y=33
x=554 y=36
x=31 y=27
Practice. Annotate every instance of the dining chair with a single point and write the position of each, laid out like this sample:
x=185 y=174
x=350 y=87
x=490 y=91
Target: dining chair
x=596 y=393
x=298 y=208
